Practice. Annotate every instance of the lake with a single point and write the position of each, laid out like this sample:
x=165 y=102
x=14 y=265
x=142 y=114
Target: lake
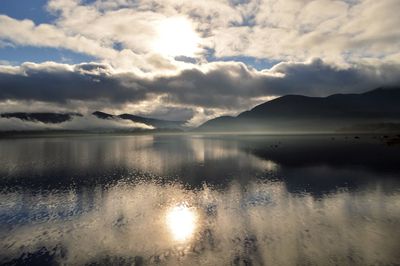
x=189 y=199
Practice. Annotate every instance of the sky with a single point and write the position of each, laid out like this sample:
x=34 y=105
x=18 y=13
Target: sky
x=191 y=60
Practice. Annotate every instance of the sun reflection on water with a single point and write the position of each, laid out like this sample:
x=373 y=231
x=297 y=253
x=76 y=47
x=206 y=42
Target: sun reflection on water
x=182 y=222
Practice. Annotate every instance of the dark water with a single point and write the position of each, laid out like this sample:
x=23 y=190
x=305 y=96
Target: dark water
x=199 y=200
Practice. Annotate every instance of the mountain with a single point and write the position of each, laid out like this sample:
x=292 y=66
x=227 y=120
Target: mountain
x=47 y=118
x=157 y=123
x=102 y=115
x=296 y=113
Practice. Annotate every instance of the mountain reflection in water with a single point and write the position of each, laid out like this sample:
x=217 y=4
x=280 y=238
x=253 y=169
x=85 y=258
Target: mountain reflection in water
x=199 y=200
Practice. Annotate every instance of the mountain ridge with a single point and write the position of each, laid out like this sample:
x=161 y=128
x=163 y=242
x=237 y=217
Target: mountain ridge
x=304 y=113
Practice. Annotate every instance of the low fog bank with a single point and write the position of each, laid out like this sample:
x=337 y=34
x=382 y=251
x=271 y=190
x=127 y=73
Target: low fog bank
x=89 y=122
x=299 y=126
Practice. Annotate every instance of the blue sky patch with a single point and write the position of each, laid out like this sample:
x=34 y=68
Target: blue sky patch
x=19 y=54
x=34 y=10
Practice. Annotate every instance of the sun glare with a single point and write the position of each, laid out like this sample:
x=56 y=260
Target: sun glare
x=181 y=222
x=176 y=37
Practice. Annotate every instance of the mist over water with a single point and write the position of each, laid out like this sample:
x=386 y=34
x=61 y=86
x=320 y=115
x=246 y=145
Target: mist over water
x=199 y=200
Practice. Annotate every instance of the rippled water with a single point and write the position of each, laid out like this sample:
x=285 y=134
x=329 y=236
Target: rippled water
x=199 y=200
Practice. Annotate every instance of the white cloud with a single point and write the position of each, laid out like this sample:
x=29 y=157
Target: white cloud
x=339 y=31
x=333 y=30
x=25 y=32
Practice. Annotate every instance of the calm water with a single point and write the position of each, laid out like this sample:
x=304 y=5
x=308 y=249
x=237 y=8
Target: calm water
x=199 y=200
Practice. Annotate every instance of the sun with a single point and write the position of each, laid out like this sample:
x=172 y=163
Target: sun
x=176 y=37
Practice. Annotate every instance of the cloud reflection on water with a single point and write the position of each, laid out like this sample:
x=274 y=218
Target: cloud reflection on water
x=261 y=223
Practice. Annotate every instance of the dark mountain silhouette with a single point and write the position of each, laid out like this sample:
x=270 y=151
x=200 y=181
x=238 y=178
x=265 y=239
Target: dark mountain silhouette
x=102 y=115
x=157 y=123
x=48 y=118
x=309 y=114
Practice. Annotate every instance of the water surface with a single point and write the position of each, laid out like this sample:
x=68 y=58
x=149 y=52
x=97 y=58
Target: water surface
x=199 y=200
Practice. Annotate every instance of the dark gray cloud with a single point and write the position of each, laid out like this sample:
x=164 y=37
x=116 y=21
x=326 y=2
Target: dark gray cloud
x=230 y=85
x=60 y=85
x=227 y=86
x=178 y=113
x=317 y=78
x=233 y=85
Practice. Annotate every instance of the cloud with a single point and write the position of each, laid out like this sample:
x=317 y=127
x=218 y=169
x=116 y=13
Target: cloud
x=207 y=90
x=124 y=33
x=178 y=112
x=296 y=30
x=357 y=43
x=25 y=32
x=317 y=78
x=51 y=82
